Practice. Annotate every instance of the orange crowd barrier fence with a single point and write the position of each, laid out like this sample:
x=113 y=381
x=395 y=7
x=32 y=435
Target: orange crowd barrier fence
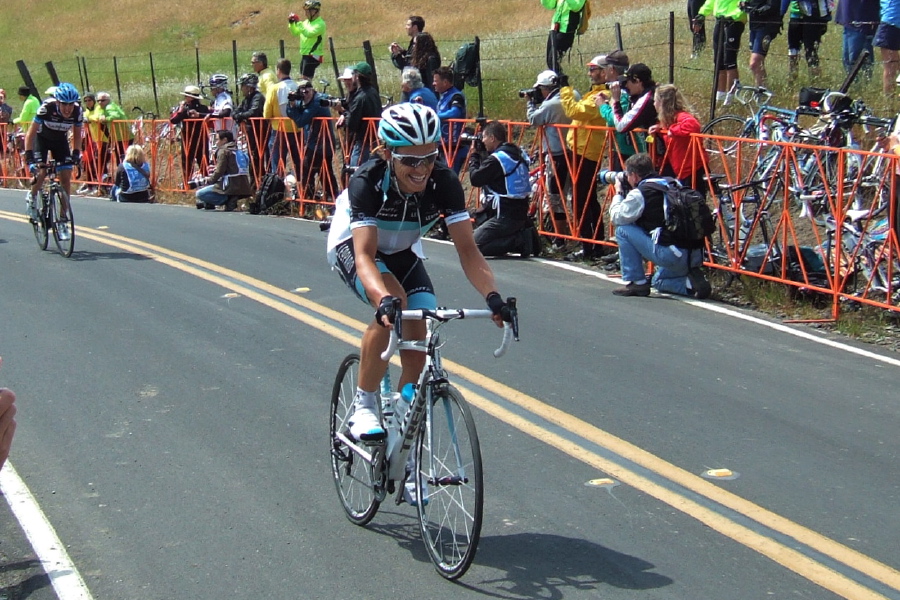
x=821 y=220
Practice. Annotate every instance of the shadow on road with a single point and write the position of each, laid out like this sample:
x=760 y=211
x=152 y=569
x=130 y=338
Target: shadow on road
x=84 y=256
x=537 y=565
x=24 y=588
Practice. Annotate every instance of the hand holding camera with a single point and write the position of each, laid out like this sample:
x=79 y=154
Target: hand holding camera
x=293 y=18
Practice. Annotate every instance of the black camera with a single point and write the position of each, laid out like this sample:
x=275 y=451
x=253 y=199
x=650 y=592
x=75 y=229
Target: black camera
x=533 y=94
x=467 y=138
x=296 y=95
x=332 y=101
x=197 y=182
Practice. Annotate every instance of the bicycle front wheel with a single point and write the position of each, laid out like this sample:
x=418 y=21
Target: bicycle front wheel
x=721 y=153
x=353 y=476
x=449 y=488
x=63 y=222
x=40 y=226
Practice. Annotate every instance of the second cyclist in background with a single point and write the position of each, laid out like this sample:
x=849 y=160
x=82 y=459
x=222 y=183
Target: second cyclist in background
x=48 y=136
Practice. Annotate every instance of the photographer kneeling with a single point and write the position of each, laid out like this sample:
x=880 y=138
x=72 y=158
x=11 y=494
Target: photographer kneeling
x=502 y=171
x=639 y=217
x=229 y=181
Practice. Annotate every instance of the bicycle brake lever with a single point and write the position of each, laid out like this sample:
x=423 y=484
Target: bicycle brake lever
x=513 y=316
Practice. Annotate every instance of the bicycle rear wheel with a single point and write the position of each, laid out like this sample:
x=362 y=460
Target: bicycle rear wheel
x=448 y=461
x=353 y=476
x=63 y=219
x=40 y=226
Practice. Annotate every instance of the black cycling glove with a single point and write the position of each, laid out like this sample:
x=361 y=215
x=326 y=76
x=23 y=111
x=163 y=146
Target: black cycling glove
x=387 y=307
x=498 y=306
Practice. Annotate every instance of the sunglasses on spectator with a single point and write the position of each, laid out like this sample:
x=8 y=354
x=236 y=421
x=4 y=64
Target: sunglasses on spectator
x=414 y=161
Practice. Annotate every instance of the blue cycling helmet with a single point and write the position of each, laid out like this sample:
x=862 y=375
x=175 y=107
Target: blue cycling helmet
x=66 y=93
x=409 y=124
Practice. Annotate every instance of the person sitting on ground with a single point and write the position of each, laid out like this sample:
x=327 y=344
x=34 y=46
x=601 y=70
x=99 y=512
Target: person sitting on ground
x=133 y=181
x=414 y=89
x=501 y=170
x=639 y=217
x=230 y=181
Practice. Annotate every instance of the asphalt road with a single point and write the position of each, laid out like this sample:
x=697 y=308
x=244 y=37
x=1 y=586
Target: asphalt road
x=174 y=376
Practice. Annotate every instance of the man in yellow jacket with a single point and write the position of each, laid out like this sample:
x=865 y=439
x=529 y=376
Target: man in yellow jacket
x=284 y=132
x=588 y=146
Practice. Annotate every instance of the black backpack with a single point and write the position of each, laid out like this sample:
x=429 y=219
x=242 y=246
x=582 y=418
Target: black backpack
x=269 y=193
x=465 y=66
x=689 y=220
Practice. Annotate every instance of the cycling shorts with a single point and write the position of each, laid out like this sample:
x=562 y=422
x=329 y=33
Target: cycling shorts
x=59 y=149
x=405 y=265
x=887 y=36
x=760 y=39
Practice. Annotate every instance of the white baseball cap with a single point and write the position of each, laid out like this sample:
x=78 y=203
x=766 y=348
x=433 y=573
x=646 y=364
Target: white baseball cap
x=547 y=78
x=347 y=74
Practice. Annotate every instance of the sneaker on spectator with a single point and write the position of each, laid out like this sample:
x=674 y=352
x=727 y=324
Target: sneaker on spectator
x=700 y=287
x=365 y=424
x=85 y=189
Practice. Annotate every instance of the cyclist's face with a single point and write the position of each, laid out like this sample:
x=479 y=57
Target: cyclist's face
x=412 y=180
x=66 y=109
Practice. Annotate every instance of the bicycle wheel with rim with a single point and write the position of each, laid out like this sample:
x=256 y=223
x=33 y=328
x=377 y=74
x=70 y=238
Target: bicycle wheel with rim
x=65 y=246
x=40 y=226
x=448 y=460
x=722 y=154
x=353 y=476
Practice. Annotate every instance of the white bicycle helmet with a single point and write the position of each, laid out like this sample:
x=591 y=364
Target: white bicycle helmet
x=218 y=81
x=409 y=124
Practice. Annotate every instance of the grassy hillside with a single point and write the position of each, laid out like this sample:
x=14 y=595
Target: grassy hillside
x=513 y=34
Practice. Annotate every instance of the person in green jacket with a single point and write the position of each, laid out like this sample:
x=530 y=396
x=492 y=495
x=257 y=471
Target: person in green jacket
x=312 y=37
x=730 y=22
x=30 y=106
x=567 y=15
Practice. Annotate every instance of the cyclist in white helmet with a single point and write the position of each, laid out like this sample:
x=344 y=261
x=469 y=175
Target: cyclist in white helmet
x=374 y=243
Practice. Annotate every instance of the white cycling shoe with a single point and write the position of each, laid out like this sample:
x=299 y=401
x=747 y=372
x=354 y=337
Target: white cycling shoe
x=365 y=424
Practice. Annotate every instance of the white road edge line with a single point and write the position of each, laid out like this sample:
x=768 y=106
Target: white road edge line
x=66 y=579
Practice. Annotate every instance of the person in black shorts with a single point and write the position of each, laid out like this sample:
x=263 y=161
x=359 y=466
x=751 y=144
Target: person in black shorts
x=374 y=244
x=764 y=22
x=48 y=137
x=807 y=25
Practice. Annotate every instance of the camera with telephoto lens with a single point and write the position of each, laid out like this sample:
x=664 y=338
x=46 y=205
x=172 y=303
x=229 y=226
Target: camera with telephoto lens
x=533 y=94
x=296 y=95
x=332 y=101
x=611 y=177
x=467 y=138
x=197 y=182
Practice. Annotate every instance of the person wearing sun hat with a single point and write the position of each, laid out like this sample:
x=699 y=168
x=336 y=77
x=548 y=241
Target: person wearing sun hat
x=363 y=104
x=194 y=137
x=588 y=146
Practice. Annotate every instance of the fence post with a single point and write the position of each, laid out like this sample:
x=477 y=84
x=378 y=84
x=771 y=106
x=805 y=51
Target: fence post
x=672 y=47
x=153 y=77
x=26 y=77
x=52 y=71
x=197 y=60
x=619 y=44
x=87 y=81
x=80 y=74
x=281 y=47
x=337 y=72
x=234 y=57
x=118 y=87
x=718 y=54
x=367 y=51
x=478 y=71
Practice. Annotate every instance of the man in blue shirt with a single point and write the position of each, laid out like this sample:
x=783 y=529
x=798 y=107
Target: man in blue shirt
x=451 y=105
x=307 y=111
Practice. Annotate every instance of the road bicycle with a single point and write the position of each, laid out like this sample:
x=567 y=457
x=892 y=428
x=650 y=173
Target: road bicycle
x=439 y=430
x=51 y=199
